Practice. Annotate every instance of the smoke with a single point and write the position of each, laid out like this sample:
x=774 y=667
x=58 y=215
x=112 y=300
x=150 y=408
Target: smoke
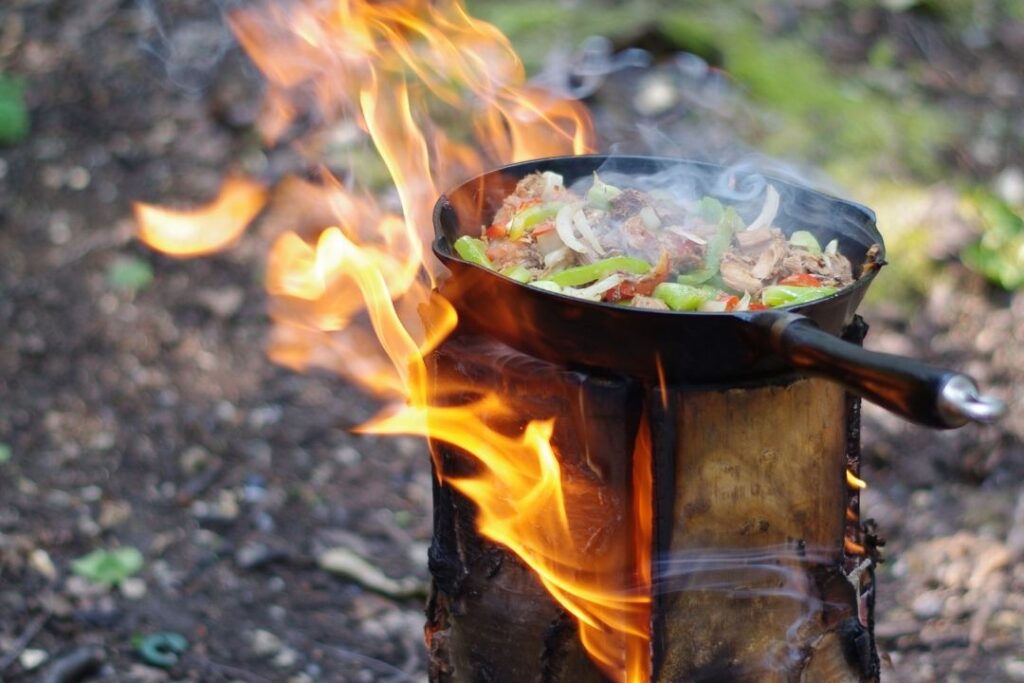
x=190 y=50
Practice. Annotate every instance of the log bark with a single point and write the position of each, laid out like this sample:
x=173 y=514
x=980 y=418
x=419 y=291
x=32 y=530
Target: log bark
x=488 y=617
x=752 y=577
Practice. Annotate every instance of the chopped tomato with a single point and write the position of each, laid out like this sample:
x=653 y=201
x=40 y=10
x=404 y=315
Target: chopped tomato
x=801 y=280
x=626 y=289
x=757 y=306
x=495 y=231
x=731 y=301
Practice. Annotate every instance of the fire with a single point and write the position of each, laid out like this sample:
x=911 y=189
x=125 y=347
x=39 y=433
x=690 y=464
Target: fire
x=357 y=297
x=204 y=230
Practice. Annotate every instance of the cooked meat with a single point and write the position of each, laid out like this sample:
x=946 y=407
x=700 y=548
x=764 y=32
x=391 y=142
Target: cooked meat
x=769 y=261
x=629 y=203
x=737 y=273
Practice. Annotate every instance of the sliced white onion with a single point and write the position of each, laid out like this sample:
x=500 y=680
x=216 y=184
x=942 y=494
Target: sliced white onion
x=650 y=218
x=744 y=303
x=832 y=248
x=594 y=291
x=563 y=225
x=714 y=306
x=679 y=230
x=579 y=219
x=548 y=242
x=555 y=257
x=553 y=185
x=768 y=211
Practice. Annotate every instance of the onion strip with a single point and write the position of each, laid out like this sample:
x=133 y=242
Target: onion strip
x=594 y=291
x=579 y=219
x=563 y=224
x=768 y=211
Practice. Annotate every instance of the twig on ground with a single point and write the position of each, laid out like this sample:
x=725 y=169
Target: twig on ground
x=344 y=562
x=30 y=632
x=234 y=672
x=367 y=661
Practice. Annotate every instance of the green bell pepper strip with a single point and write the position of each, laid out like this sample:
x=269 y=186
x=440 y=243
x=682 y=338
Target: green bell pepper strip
x=681 y=297
x=474 y=250
x=531 y=216
x=802 y=238
x=711 y=210
x=786 y=295
x=727 y=227
x=517 y=273
x=581 y=275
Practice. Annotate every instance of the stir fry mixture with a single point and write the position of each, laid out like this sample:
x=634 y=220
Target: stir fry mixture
x=651 y=250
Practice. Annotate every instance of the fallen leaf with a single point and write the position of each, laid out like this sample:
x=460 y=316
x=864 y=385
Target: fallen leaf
x=108 y=567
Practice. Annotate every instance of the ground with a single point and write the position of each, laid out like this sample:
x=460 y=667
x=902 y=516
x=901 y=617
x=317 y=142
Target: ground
x=137 y=407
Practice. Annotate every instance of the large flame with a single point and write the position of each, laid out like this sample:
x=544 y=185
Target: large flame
x=357 y=298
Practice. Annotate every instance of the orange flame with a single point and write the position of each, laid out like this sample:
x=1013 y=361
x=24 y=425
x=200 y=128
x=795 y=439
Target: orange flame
x=357 y=298
x=204 y=230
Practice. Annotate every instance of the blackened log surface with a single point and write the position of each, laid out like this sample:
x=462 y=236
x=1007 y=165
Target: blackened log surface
x=490 y=618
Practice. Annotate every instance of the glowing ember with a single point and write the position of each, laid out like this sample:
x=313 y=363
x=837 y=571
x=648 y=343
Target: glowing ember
x=357 y=299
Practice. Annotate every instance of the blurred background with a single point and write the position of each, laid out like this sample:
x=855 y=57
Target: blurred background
x=174 y=507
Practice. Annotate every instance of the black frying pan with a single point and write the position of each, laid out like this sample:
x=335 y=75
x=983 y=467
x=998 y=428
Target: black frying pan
x=698 y=348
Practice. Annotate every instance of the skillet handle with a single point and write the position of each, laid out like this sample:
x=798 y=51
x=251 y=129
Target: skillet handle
x=921 y=393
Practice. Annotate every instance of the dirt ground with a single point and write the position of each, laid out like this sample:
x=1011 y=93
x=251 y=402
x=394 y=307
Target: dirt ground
x=149 y=416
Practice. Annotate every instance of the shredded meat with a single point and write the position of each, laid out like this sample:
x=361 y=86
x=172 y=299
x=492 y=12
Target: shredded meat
x=629 y=203
x=737 y=273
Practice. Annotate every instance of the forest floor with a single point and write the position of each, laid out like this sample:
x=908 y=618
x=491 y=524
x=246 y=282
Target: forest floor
x=138 y=409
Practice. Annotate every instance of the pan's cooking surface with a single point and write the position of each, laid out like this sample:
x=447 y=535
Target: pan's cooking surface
x=698 y=347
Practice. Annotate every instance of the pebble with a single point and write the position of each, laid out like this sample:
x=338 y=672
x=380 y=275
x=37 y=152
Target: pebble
x=264 y=643
x=1009 y=185
x=32 y=659
x=286 y=658
x=927 y=605
x=1014 y=668
x=40 y=561
x=133 y=588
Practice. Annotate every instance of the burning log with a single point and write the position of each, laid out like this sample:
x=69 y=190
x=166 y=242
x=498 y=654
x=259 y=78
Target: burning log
x=489 y=617
x=753 y=576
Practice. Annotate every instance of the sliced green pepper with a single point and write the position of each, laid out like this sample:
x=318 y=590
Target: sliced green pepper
x=802 y=238
x=681 y=297
x=727 y=227
x=581 y=275
x=474 y=250
x=601 y=194
x=786 y=295
x=517 y=273
x=531 y=216
x=711 y=210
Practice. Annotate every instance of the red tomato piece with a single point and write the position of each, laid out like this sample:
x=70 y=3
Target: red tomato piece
x=801 y=280
x=495 y=231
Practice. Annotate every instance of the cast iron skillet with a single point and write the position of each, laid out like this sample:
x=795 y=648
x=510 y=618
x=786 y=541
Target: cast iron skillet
x=698 y=348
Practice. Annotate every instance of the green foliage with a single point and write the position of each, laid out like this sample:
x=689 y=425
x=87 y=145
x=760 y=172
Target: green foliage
x=129 y=273
x=13 y=112
x=807 y=100
x=108 y=567
x=999 y=253
x=5 y=453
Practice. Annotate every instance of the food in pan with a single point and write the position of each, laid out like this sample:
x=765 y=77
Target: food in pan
x=652 y=250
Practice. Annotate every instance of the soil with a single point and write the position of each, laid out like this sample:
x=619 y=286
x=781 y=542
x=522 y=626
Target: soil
x=149 y=417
